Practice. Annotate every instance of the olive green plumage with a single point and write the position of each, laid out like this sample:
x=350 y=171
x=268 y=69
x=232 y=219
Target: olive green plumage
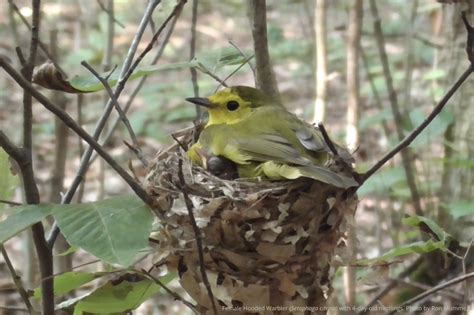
x=263 y=139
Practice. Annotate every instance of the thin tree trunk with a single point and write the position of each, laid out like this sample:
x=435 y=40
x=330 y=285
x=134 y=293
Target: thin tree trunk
x=352 y=135
x=320 y=34
x=265 y=77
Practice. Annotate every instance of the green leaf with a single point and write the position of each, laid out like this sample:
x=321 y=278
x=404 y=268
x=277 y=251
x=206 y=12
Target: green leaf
x=371 y=121
x=120 y=295
x=461 y=208
x=89 y=83
x=8 y=181
x=20 y=218
x=412 y=248
x=417 y=220
x=69 y=281
x=114 y=230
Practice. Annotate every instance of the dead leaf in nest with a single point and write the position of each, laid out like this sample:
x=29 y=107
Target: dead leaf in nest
x=244 y=263
x=252 y=295
x=278 y=253
x=300 y=233
x=286 y=284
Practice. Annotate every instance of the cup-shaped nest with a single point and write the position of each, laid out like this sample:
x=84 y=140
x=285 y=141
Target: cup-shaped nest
x=267 y=246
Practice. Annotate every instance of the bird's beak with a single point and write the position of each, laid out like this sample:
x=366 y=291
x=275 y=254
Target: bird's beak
x=201 y=101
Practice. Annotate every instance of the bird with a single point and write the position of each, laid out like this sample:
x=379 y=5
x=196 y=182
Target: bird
x=263 y=139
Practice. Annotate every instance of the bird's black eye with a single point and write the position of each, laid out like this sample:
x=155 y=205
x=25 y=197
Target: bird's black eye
x=232 y=105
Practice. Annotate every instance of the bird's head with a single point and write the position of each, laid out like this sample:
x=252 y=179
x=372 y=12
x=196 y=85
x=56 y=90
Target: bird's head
x=233 y=104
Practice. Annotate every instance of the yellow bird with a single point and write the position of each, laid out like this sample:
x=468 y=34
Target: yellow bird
x=263 y=139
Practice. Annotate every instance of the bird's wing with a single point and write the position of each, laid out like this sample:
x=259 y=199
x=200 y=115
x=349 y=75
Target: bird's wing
x=278 y=171
x=281 y=160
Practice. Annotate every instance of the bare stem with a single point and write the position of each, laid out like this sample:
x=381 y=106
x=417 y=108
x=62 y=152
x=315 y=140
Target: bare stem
x=192 y=52
x=197 y=234
x=17 y=281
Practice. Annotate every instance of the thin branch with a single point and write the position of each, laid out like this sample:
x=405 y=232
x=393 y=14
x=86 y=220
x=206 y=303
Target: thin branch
x=123 y=116
x=192 y=53
x=110 y=14
x=327 y=139
x=45 y=258
x=77 y=129
x=247 y=60
x=201 y=67
x=17 y=281
x=412 y=136
x=433 y=290
x=11 y=203
x=197 y=234
x=252 y=67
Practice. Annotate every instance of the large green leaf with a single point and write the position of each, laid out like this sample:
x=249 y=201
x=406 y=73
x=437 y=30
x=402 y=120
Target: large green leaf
x=21 y=217
x=48 y=76
x=89 y=83
x=8 y=182
x=417 y=220
x=412 y=248
x=114 y=230
x=69 y=281
x=120 y=295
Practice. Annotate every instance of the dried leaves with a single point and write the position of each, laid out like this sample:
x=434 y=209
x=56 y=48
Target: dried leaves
x=265 y=243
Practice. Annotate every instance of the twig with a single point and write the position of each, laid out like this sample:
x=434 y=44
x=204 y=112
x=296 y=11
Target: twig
x=406 y=152
x=123 y=116
x=178 y=7
x=409 y=139
x=192 y=53
x=17 y=281
x=175 y=295
x=201 y=67
x=41 y=45
x=11 y=203
x=84 y=164
x=25 y=161
x=237 y=69
x=392 y=284
x=252 y=67
x=77 y=129
x=197 y=234
x=327 y=139
x=433 y=290
x=111 y=15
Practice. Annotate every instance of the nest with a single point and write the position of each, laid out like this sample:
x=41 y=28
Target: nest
x=268 y=246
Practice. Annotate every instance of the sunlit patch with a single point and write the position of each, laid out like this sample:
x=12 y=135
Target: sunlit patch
x=26 y=11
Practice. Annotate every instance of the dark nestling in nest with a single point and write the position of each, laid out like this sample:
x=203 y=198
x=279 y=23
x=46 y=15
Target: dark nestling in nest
x=267 y=245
